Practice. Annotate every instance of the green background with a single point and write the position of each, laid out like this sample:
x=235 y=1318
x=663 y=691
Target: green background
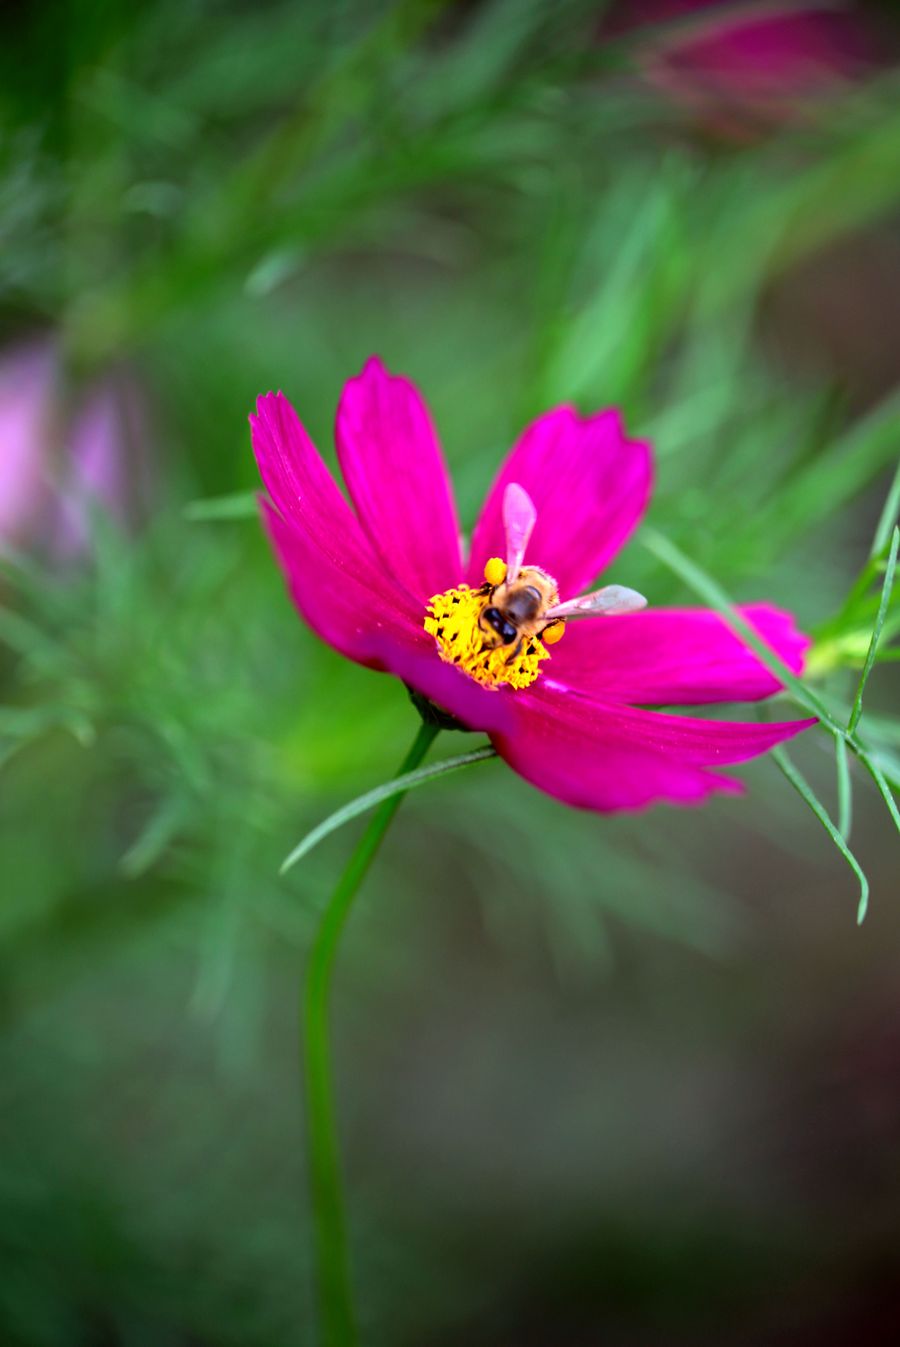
x=619 y=1079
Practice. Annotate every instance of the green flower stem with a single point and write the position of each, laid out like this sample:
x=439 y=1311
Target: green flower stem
x=337 y=1327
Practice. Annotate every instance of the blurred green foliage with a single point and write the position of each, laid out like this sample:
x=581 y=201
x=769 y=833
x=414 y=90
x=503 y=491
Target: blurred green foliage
x=229 y=198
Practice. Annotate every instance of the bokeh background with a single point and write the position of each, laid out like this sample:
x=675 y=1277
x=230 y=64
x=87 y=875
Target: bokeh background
x=625 y=1080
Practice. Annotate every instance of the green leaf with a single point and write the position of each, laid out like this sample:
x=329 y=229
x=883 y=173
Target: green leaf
x=876 y=630
x=844 y=789
x=888 y=764
x=27 y=639
x=237 y=505
x=844 y=469
x=886 y=793
x=703 y=585
x=887 y=518
x=158 y=832
x=805 y=790
x=399 y=786
x=706 y=587
x=27 y=722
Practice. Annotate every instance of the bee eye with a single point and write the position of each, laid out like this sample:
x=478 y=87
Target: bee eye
x=504 y=629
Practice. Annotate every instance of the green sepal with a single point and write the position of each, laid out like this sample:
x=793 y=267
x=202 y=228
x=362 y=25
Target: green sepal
x=434 y=715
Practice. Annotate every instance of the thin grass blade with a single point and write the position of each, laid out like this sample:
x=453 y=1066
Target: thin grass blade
x=888 y=517
x=703 y=585
x=876 y=630
x=881 y=782
x=398 y=786
x=844 y=789
x=237 y=505
x=806 y=792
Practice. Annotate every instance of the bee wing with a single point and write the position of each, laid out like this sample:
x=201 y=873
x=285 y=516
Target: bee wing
x=519 y=519
x=609 y=599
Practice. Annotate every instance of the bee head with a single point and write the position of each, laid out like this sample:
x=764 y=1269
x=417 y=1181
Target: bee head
x=522 y=603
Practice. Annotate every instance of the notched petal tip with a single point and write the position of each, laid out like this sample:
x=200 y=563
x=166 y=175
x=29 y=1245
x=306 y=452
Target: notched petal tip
x=374 y=367
x=590 y=485
x=679 y=656
x=790 y=728
x=374 y=379
x=392 y=463
x=610 y=758
x=779 y=629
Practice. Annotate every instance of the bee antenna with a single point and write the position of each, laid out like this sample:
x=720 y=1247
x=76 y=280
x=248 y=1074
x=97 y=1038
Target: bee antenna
x=519 y=519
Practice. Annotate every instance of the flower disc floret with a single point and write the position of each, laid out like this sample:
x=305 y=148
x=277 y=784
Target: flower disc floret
x=453 y=619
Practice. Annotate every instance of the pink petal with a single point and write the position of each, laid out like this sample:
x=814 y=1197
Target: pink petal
x=307 y=496
x=613 y=757
x=340 y=584
x=590 y=485
x=394 y=470
x=350 y=610
x=341 y=602
x=473 y=706
x=675 y=656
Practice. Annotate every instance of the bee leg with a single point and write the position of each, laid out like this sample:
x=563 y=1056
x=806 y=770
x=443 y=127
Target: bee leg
x=518 y=646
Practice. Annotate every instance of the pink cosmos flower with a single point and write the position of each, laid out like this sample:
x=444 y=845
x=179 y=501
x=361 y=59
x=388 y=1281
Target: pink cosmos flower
x=107 y=464
x=742 y=68
x=386 y=584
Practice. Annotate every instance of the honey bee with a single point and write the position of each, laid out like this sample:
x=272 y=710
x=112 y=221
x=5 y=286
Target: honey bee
x=522 y=602
x=517 y=610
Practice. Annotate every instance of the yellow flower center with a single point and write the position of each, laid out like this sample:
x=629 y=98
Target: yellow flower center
x=492 y=652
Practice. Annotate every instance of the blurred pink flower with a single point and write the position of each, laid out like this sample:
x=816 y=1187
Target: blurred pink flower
x=57 y=468
x=27 y=378
x=105 y=465
x=741 y=68
x=370 y=583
